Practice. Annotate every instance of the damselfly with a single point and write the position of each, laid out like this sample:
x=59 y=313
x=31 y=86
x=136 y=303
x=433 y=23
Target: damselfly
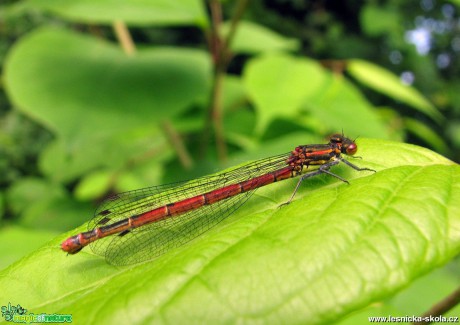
x=139 y=225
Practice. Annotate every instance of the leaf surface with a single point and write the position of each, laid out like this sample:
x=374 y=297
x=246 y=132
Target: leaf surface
x=336 y=248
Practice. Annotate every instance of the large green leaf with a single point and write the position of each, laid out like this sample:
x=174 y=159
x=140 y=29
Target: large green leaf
x=254 y=38
x=336 y=248
x=12 y=243
x=80 y=86
x=340 y=105
x=282 y=86
x=387 y=83
x=279 y=84
x=133 y=12
x=414 y=300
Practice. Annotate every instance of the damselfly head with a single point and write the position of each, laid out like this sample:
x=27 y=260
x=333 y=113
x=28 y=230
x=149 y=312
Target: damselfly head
x=346 y=145
x=349 y=147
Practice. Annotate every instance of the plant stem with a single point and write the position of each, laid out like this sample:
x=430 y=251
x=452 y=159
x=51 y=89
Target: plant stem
x=443 y=306
x=124 y=37
x=177 y=143
x=240 y=8
x=221 y=56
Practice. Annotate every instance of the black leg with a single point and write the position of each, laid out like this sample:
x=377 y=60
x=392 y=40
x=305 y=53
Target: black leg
x=356 y=167
x=324 y=169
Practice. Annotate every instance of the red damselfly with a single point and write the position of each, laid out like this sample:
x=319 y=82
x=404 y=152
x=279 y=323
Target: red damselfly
x=139 y=225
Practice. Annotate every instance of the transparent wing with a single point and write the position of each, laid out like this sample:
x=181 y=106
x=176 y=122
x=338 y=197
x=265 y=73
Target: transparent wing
x=152 y=240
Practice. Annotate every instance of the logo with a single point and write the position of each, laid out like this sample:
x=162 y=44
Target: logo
x=18 y=314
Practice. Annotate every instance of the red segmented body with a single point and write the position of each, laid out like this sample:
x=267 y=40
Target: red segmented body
x=160 y=209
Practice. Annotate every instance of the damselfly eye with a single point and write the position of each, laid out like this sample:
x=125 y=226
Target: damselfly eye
x=352 y=148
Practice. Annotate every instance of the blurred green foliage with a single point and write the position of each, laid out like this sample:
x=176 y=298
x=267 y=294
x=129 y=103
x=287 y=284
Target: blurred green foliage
x=80 y=118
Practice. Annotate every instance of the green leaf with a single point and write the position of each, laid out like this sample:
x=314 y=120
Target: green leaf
x=16 y=241
x=134 y=12
x=48 y=214
x=2 y=205
x=41 y=205
x=279 y=84
x=94 y=185
x=335 y=249
x=385 y=82
x=80 y=86
x=456 y=2
x=233 y=93
x=253 y=38
x=64 y=161
x=376 y=20
x=283 y=86
x=340 y=106
x=27 y=191
x=454 y=133
x=419 y=297
x=426 y=134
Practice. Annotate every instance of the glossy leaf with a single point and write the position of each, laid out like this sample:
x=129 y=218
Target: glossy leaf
x=79 y=86
x=335 y=249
